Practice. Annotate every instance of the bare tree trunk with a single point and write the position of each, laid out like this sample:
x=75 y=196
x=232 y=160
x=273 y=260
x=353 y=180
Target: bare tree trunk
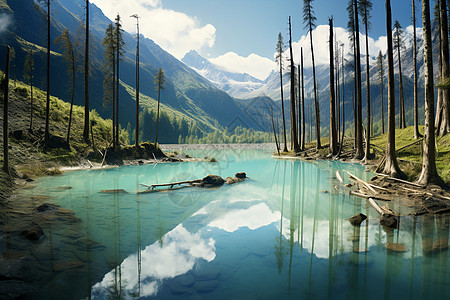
x=416 y=103
x=359 y=154
x=355 y=91
x=86 y=79
x=367 y=149
x=157 y=116
x=5 y=114
x=439 y=122
x=282 y=109
x=391 y=166
x=303 y=100
x=333 y=135
x=402 y=123
x=296 y=147
x=338 y=90
x=114 y=102
x=343 y=98
x=316 y=100
x=275 y=133
x=299 y=105
x=117 y=90
x=429 y=173
x=445 y=65
x=382 y=104
x=137 y=87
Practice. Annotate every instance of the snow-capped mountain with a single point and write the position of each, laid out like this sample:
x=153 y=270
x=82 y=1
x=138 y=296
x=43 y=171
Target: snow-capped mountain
x=235 y=84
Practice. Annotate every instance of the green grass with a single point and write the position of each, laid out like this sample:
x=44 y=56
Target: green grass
x=29 y=154
x=410 y=158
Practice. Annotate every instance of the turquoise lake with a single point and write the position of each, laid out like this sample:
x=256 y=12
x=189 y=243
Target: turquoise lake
x=281 y=234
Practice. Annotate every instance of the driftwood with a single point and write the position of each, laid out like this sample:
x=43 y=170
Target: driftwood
x=363 y=182
x=378 y=197
x=401 y=180
x=376 y=206
x=411 y=144
x=338 y=176
x=171 y=185
x=207 y=181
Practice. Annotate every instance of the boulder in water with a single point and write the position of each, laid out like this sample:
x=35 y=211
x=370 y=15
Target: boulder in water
x=33 y=233
x=240 y=175
x=46 y=208
x=357 y=219
x=213 y=180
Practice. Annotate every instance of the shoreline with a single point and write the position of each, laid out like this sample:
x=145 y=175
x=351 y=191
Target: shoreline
x=11 y=263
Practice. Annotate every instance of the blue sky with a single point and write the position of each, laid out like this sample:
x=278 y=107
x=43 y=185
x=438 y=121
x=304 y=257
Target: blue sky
x=252 y=26
x=240 y=35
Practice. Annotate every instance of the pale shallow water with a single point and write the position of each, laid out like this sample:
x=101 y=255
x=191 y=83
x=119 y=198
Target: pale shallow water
x=282 y=234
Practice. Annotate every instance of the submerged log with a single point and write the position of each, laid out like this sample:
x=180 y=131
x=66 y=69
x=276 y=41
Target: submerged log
x=114 y=191
x=207 y=181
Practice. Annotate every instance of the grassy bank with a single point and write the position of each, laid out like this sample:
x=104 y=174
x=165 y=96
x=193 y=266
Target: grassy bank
x=409 y=153
x=26 y=147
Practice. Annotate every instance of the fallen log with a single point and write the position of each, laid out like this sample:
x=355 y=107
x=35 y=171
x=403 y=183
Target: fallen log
x=401 y=180
x=376 y=206
x=171 y=185
x=207 y=181
x=378 y=197
x=363 y=182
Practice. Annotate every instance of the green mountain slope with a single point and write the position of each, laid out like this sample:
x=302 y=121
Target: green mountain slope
x=187 y=94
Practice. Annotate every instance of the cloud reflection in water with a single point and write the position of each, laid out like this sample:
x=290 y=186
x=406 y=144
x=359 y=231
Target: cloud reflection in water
x=180 y=252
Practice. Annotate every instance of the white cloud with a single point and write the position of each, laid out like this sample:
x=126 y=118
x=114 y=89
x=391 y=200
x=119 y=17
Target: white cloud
x=175 y=32
x=321 y=50
x=5 y=21
x=255 y=65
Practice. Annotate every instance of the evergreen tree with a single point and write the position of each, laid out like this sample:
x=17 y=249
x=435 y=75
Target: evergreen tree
x=365 y=6
x=398 y=43
x=381 y=75
x=159 y=85
x=137 y=79
x=118 y=34
x=279 y=59
x=294 y=136
x=351 y=36
x=69 y=57
x=416 y=104
x=109 y=67
x=309 y=20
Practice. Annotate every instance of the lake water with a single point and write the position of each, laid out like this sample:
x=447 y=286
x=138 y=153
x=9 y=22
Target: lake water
x=282 y=234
